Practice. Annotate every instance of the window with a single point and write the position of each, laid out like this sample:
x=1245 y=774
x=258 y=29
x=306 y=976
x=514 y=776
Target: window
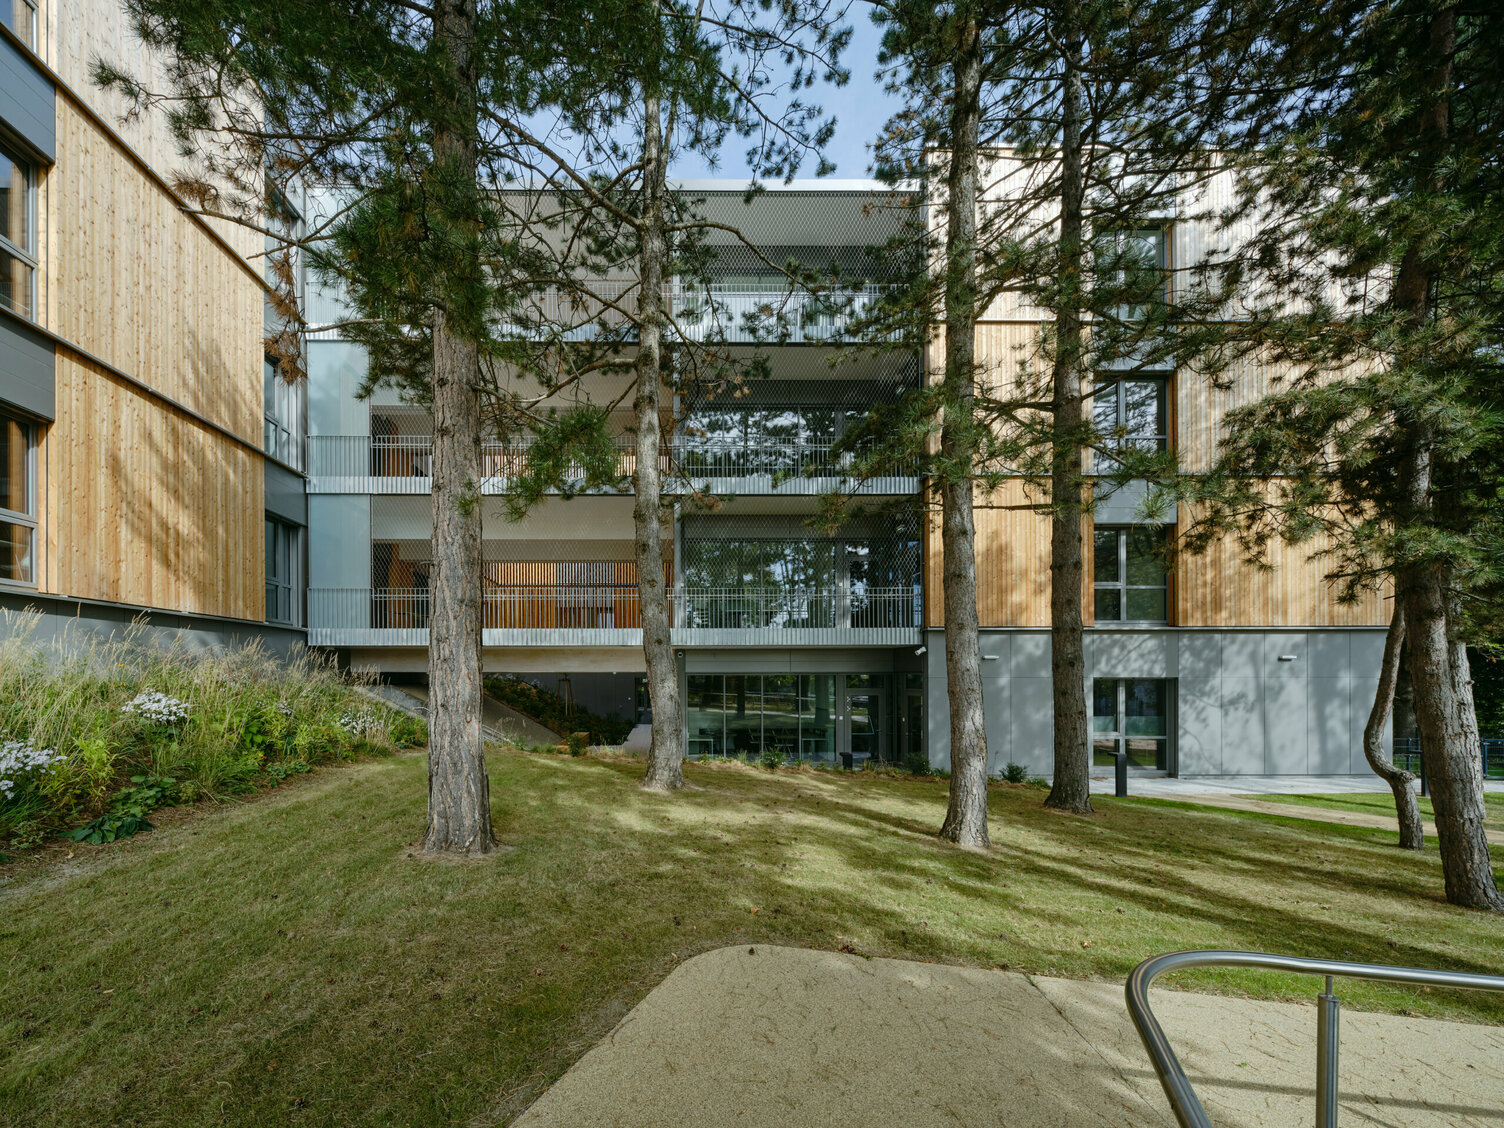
x=1131 y=715
x=18 y=520
x=1128 y=572
x=1133 y=266
x=284 y=558
x=1130 y=415
x=284 y=417
x=20 y=17
x=18 y=262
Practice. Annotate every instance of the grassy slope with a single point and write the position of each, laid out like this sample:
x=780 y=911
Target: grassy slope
x=290 y=961
x=1382 y=804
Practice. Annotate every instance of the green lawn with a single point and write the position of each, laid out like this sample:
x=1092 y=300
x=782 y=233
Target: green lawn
x=1381 y=804
x=289 y=961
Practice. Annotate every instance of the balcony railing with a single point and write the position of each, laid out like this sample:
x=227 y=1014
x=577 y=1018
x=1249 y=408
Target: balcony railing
x=616 y=607
x=411 y=457
x=713 y=458
x=404 y=463
x=769 y=314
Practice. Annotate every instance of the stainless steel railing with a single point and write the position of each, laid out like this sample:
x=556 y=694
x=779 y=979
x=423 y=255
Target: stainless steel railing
x=1183 y=1100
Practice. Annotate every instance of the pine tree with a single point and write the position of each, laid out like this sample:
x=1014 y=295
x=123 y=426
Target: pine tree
x=1372 y=277
x=392 y=102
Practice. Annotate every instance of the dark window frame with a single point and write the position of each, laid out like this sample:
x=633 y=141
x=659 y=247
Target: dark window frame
x=284 y=545
x=27 y=518
x=1120 y=586
x=24 y=253
x=1115 y=386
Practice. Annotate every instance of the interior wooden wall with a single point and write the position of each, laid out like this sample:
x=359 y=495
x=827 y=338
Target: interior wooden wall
x=148 y=507
x=143 y=503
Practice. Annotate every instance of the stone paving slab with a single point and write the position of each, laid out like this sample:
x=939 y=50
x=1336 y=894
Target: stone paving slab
x=783 y=1037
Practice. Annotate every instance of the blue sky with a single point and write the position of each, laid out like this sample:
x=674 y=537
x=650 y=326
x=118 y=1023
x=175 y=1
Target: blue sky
x=860 y=108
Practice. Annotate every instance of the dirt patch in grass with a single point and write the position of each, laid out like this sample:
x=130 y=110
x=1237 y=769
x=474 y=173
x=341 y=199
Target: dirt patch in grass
x=289 y=961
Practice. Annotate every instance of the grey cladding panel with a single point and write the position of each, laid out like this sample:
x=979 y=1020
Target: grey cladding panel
x=26 y=100
x=28 y=374
x=284 y=495
x=1198 y=744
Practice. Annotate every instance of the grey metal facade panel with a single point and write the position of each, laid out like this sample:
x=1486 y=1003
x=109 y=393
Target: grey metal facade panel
x=28 y=370
x=1361 y=692
x=1286 y=739
x=1198 y=736
x=1135 y=654
x=1329 y=727
x=285 y=497
x=339 y=538
x=1243 y=726
x=1243 y=654
x=1286 y=655
x=27 y=100
x=1032 y=724
x=1200 y=654
x=64 y=621
x=1125 y=506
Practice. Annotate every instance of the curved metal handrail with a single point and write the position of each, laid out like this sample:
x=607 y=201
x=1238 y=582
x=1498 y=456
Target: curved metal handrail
x=1183 y=1099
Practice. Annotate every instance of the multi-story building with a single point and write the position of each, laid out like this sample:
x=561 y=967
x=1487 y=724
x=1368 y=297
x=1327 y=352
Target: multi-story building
x=1211 y=666
x=150 y=465
x=831 y=646
x=153 y=460
x=789 y=639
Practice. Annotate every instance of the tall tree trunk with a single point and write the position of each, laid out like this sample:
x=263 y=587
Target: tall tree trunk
x=666 y=750
x=1071 y=789
x=966 y=815
x=1406 y=806
x=1443 y=684
x=459 y=791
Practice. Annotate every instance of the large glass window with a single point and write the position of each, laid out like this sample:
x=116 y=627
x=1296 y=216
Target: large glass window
x=17 y=232
x=18 y=520
x=1133 y=267
x=1130 y=415
x=20 y=16
x=284 y=416
x=1128 y=573
x=1131 y=715
x=284 y=558
x=793 y=715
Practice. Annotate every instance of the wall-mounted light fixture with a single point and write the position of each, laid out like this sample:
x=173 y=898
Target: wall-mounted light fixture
x=1287 y=657
x=989 y=657
x=920 y=651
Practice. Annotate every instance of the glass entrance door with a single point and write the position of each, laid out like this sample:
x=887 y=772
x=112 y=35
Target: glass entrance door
x=861 y=729
x=1131 y=715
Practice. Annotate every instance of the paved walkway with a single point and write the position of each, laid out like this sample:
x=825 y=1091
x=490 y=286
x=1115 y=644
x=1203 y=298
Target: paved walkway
x=1167 y=788
x=1315 y=814
x=789 y=1038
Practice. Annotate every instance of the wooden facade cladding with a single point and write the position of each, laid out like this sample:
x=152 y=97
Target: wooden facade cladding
x=136 y=282
x=146 y=506
x=151 y=480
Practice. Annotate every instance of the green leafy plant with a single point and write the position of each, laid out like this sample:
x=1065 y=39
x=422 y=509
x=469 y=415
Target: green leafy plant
x=281 y=769
x=916 y=763
x=128 y=810
x=1015 y=773
x=577 y=742
x=771 y=759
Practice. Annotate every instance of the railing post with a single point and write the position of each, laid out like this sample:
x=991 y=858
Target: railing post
x=1120 y=774
x=1327 y=1011
x=1425 y=784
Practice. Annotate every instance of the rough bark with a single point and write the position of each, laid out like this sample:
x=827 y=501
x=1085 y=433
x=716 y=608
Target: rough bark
x=1071 y=788
x=666 y=750
x=966 y=814
x=1439 y=671
x=1406 y=805
x=459 y=790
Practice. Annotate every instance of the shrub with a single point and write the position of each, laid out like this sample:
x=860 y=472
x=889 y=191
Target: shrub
x=577 y=742
x=1015 y=773
x=771 y=759
x=114 y=715
x=916 y=763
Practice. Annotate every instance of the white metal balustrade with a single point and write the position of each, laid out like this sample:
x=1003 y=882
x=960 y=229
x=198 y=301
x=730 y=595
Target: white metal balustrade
x=593 y=614
x=397 y=464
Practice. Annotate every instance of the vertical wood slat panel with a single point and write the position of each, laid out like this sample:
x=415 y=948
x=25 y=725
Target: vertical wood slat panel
x=137 y=283
x=159 y=510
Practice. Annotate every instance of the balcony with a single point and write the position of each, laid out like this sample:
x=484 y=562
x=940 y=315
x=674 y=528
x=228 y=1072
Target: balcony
x=610 y=615
x=402 y=464
x=769 y=314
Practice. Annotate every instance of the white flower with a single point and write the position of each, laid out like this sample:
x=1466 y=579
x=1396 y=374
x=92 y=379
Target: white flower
x=158 y=707
x=21 y=758
x=362 y=723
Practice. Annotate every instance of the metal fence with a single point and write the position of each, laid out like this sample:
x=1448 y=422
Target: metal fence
x=1407 y=755
x=730 y=459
